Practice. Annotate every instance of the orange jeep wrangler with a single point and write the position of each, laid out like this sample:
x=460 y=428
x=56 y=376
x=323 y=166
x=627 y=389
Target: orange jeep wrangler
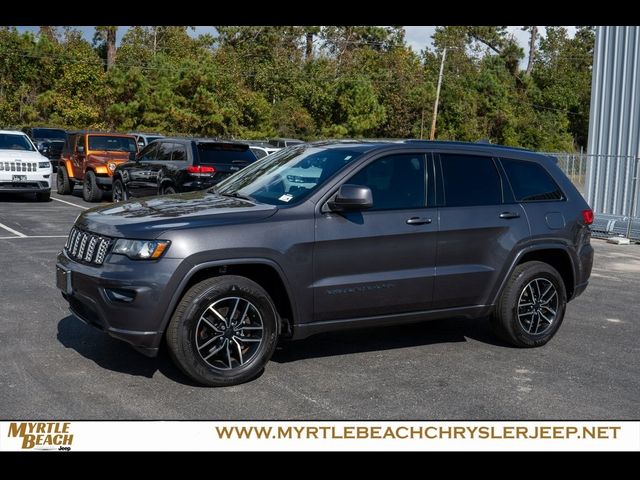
x=89 y=158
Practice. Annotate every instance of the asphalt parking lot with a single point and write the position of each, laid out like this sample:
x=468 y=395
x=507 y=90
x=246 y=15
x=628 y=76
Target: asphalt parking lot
x=55 y=367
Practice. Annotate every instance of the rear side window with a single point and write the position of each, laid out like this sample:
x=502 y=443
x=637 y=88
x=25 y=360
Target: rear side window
x=179 y=153
x=470 y=180
x=225 y=153
x=530 y=182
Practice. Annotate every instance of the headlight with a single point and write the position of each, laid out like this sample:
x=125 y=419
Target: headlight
x=44 y=164
x=112 y=166
x=141 y=249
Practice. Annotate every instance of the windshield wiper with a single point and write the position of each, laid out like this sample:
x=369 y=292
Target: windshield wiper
x=234 y=195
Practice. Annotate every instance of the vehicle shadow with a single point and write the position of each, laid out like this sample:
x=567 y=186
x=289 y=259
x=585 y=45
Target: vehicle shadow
x=115 y=355
x=18 y=197
x=118 y=356
x=388 y=338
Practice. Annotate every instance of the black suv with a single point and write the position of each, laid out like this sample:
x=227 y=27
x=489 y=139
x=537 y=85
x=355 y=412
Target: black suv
x=174 y=165
x=48 y=141
x=334 y=235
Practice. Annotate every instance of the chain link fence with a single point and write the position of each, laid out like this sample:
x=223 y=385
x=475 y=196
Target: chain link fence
x=611 y=184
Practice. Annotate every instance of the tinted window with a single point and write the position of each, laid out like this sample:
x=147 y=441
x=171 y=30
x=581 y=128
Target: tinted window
x=50 y=133
x=12 y=141
x=530 y=182
x=112 y=144
x=179 y=153
x=224 y=153
x=470 y=180
x=164 y=151
x=396 y=182
x=149 y=152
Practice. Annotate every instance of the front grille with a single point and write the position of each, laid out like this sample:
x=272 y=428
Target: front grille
x=19 y=166
x=87 y=247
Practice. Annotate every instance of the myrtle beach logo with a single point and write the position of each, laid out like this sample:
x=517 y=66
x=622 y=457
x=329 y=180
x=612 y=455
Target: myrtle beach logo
x=42 y=435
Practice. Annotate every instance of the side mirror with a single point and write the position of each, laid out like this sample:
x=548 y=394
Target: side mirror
x=80 y=149
x=351 y=197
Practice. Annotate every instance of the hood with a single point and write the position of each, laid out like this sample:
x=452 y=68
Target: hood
x=106 y=157
x=146 y=218
x=13 y=155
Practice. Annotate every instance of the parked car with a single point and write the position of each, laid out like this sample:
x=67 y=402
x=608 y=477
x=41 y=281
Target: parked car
x=22 y=168
x=376 y=234
x=172 y=165
x=145 y=139
x=260 y=148
x=284 y=142
x=48 y=141
x=259 y=152
x=89 y=159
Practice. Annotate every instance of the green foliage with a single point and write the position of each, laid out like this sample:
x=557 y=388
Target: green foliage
x=301 y=81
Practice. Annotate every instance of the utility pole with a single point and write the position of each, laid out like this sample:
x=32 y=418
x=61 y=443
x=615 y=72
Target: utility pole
x=435 y=106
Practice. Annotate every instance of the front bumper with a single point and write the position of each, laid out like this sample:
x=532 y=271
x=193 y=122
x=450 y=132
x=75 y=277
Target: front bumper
x=29 y=186
x=126 y=302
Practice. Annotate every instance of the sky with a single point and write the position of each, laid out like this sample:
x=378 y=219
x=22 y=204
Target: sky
x=418 y=37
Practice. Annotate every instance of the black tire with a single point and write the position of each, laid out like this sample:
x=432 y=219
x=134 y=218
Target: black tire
x=90 y=190
x=43 y=196
x=170 y=190
x=522 y=320
x=119 y=192
x=186 y=327
x=64 y=184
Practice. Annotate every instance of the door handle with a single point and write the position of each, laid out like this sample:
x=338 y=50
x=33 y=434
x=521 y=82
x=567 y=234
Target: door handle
x=418 y=221
x=508 y=215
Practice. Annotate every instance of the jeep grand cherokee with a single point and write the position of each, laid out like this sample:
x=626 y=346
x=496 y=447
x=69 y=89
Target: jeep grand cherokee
x=333 y=235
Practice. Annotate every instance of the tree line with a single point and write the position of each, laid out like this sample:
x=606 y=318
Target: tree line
x=307 y=82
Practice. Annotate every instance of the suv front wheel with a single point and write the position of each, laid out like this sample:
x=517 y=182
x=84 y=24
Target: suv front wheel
x=223 y=331
x=532 y=305
x=90 y=190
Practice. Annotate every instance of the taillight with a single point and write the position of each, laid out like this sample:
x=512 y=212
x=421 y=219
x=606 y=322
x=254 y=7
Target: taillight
x=200 y=170
x=587 y=216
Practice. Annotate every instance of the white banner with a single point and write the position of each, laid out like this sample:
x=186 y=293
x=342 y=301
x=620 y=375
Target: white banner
x=319 y=435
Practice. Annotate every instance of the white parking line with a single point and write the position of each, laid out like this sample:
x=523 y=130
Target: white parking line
x=69 y=203
x=11 y=230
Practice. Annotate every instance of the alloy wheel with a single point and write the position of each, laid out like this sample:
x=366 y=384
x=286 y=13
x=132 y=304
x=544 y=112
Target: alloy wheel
x=538 y=306
x=229 y=333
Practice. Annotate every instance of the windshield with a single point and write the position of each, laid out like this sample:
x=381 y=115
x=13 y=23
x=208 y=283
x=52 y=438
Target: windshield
x=49 y=133
x=11 y=141
x=290 y=175
x=112 y=144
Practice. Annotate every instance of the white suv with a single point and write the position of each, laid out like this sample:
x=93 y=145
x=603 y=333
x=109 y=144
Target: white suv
x=22 y=167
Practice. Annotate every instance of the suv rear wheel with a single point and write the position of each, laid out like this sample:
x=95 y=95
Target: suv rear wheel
x=64 y=184
x=119 y=194
x=223 y=331
x=532 y=305
x=90 y=190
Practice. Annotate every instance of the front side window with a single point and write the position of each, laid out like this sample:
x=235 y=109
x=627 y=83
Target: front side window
x=164 y=151
x=149 y=152
x=106 y=143
x=290 y=175
x=15 y=141
x=396 y=182
x=470 y=180
x=530 y=182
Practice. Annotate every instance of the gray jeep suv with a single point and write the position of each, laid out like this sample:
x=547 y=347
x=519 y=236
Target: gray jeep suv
x=333 y=235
